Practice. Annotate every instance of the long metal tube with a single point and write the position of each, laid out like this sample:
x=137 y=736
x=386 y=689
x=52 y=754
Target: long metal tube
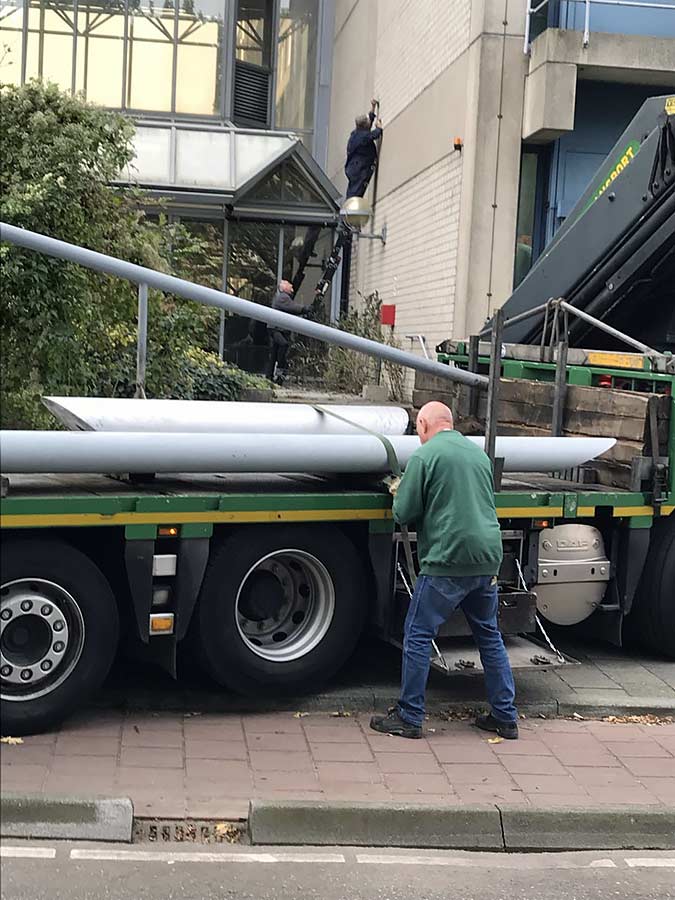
x=603 y=326
x=210 y=297
x=218 y=417
x=130 y=452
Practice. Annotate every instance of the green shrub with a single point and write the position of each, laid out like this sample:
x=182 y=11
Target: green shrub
x=65 y=328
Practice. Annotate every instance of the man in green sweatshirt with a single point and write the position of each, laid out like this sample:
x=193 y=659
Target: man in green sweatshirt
x=447 y=494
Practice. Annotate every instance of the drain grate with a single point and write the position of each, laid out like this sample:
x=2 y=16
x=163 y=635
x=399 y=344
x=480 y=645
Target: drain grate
x=187 y=831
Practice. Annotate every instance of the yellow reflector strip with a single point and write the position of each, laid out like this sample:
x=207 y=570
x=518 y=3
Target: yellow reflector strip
x=617 y=360
x=632 y=511
x=161 y=623
x=529 y=512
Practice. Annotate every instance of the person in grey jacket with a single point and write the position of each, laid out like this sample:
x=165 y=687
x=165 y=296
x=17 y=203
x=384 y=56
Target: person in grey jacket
x=280 y=340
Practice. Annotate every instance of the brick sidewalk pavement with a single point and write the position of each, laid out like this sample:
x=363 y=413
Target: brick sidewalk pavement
x=209 y=766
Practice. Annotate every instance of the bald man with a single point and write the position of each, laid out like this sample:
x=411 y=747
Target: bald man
x=447 y=495
x=279 y=340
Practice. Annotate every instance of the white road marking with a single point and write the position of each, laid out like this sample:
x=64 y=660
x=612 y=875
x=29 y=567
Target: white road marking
x=204 y=857
x=27 y=852
x=651 y=863
x=382 y=860
x=501 y=862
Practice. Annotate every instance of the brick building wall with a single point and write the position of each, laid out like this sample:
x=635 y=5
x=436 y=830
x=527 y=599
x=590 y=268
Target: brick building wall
x=416 y=41
x=422 y=219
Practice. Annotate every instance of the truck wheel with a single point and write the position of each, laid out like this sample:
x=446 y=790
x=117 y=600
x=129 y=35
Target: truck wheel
x=59 y=629
x=281 y=608
x=654 y=614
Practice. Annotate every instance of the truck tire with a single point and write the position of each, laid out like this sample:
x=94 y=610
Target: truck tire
x=653 y=617
x=59 y=629
x=281 y=608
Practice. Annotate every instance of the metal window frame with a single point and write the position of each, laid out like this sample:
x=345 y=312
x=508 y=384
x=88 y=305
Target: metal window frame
x=530 y=10
x=227 y=60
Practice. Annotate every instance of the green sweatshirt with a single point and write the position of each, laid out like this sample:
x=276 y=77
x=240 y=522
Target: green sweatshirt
x=447 y=494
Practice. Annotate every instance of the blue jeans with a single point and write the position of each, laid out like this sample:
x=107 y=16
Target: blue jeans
x=433 y=600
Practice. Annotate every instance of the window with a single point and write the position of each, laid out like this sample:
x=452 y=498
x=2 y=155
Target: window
x=49 y=51
x=296 y=63
x=151 y=40
x=252 y=70
x=101 y=30
x=530 y=220
x=199 y=70
x=254 y=31
x=285 y=184
x=11 y=28
x=149 y=55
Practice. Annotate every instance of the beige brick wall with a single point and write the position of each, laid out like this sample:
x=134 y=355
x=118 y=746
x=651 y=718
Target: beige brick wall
x=416 y=41
x=417 y=268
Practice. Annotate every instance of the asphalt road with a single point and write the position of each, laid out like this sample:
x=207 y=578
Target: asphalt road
x=152 y=872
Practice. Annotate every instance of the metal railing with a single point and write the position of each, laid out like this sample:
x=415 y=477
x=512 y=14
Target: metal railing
x=531 y=10
x=150 y=278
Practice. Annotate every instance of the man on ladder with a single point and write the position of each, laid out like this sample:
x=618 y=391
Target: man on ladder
x=362 y=152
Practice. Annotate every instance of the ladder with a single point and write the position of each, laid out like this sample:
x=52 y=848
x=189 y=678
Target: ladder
x=344 y=234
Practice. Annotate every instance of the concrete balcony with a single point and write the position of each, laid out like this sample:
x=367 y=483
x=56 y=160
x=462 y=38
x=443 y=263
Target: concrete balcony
x=558 y=58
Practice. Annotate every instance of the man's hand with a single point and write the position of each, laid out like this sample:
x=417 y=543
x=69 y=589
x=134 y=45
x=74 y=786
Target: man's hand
x=373 y=104
x=378 y=123
x=392 y=483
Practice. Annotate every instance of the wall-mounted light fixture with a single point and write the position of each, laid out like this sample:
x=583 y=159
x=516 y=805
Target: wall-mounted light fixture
x=356 y=212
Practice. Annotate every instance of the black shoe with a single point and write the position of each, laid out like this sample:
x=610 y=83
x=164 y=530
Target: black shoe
x=392 y=723
x=507 y=730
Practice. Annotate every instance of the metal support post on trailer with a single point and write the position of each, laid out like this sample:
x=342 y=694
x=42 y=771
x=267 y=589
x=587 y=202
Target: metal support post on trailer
x=494 y=377
x=560 y=390
x=474 y=342
x=142 y=340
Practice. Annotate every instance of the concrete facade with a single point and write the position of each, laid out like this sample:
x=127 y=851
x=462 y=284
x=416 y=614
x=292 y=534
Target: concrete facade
x=453 y=68
x=441 y=70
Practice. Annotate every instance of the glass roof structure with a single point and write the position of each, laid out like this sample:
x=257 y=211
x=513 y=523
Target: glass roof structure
x=260 y=174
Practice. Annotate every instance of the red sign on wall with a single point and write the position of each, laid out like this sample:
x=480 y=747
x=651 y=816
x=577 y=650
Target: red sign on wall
x=388 y=314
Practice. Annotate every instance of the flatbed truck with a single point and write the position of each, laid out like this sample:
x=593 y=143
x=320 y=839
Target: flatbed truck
x=270 y=581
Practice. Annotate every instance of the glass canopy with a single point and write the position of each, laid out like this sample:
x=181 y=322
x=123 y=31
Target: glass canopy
x=260 y=171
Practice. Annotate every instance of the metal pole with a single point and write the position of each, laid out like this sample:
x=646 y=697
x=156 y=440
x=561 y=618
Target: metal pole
x=519 y=318
x=528 y=12
x=560 y=390
x=211 y=297
x=587 y=23
x=614 y=332
x=142 y=340
x=493 y=385
x=474 y=342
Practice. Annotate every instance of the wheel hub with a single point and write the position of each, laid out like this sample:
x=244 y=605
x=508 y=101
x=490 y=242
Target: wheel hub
x=41 y=637
x=285 y=605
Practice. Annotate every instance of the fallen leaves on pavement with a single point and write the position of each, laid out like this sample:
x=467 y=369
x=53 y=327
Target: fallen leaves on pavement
x=647 y=719
x=495 y=740
x=11 y=740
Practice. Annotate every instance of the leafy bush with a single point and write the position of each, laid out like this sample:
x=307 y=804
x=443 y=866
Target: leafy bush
x=67 y=329
x=345 y=371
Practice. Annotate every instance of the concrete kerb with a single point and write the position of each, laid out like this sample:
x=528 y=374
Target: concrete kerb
x=618 y=828
x=66 y=818
x=420 y=826
x=598 y=706
x=374 y=825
